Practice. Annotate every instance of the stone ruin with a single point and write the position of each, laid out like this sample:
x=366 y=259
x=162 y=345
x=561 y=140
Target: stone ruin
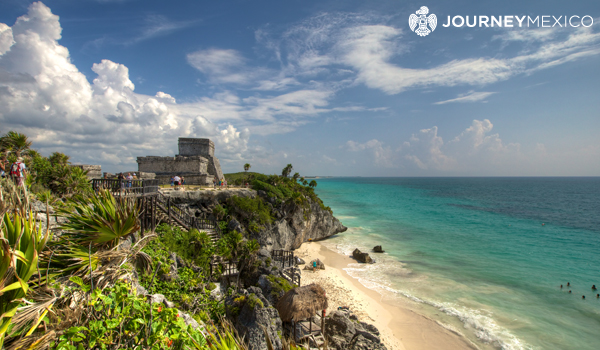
x=196 y=162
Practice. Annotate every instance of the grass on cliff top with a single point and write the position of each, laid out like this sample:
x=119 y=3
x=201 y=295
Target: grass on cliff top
x=284 y=189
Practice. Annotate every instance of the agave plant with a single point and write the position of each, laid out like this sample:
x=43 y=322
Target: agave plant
x=100 y=220
x=21 y=242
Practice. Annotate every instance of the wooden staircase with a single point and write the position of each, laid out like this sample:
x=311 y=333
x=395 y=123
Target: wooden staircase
x=173 y=214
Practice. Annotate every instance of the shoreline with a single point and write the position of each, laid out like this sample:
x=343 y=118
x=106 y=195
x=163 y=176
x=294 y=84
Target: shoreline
x=400 y=328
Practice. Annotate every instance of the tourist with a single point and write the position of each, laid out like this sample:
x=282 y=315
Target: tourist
x=17 y=172
x=129 y=181
x=3 y=167
x=594 y=287
x=214 y=182
x=121 y=179
x=172 y=181
x=176 y=180
x=182 y=182
x=225 y=183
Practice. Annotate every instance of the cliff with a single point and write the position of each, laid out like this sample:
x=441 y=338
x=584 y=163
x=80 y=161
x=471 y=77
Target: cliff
x=290 y=224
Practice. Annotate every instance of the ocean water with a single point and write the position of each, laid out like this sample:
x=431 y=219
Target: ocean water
x=482 y=256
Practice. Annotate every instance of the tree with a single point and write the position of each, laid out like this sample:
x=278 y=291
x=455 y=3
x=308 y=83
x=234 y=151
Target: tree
x=16 y=141
x=58 y=158
x=287 y=170
x=296 y=177
x=312 y=184
x=247 y=167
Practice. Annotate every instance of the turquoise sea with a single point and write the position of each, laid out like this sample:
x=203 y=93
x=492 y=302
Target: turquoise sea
x=482 y=256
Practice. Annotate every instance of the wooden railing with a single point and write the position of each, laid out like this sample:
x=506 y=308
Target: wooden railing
x=182 y=217
x=292 y=275
x=126 y=187
x=284 y=258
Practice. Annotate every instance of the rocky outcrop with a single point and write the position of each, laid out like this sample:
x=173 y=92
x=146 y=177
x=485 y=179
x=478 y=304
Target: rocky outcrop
x=344 y=331
x=252 y=316
x=293 y=225
x=378 y=249
x=361 y=257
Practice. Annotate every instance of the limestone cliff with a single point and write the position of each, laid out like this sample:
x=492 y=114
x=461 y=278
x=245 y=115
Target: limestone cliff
x=291 y=226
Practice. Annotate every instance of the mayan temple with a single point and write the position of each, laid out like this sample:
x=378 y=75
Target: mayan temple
x=196 y=162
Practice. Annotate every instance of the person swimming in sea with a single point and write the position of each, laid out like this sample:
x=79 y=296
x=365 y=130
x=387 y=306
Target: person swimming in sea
x=568 y=284
x=569 y=292
x=561 y=286
x=597 y=296
x=594 y=287
x=583 y=297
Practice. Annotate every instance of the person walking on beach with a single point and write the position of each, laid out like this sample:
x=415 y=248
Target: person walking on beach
x=17 y=172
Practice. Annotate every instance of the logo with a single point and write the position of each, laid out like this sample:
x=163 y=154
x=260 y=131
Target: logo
x=422 y=20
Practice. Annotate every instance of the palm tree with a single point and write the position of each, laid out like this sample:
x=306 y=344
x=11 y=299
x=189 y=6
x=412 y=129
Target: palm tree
x=287 y=170
x=296 y=176
x=312 y=184
x=17 y=141
x=247 y=167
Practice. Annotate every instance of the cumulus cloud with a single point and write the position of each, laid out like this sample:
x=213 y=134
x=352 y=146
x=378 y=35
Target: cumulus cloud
x=475 y=151
x=382 y=155
x=44 y=95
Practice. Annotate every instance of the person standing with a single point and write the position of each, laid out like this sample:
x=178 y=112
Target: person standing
x=176 y=180
x=214 y=182
x=183 y=183
x=17 y=172
x=3 y=167
x=121 y=179
x=129 y=181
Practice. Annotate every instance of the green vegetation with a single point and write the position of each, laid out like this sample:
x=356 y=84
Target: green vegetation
x=279 y=286
x=48 y=178
x=74 y=292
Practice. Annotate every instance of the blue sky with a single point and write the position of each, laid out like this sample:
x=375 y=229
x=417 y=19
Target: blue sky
x=333 y=87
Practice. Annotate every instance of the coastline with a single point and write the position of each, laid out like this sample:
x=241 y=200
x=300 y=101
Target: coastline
x=400 y=328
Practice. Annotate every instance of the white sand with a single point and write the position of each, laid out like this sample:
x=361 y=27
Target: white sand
x=401 y=329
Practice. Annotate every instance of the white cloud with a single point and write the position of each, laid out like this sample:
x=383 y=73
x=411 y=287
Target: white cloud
x=471 y=96
x=6 y=38
x=367 y=48
x=158 y=25
x=382 y=156
x=45 y=96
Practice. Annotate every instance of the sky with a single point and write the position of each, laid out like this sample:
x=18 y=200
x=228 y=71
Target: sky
x=338 y=88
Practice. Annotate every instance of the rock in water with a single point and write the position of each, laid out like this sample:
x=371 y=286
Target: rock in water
x=362 y=257
x=378 y=249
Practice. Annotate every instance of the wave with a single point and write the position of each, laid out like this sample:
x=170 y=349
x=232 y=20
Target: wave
x=479 y=322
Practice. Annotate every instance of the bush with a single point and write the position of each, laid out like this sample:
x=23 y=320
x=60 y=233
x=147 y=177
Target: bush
x=253 y=209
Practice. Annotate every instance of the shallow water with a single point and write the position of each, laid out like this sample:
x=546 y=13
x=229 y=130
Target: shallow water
x=473 y=254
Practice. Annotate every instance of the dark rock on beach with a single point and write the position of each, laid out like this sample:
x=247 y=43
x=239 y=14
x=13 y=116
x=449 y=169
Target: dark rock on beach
x=362 y=257
x=378 y=249
x=344 y=332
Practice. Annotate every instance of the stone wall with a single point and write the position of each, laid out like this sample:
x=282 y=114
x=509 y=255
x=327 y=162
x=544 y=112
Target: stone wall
x=214 y=168
x=178 y=165
x=196 y=147
x=197 y=179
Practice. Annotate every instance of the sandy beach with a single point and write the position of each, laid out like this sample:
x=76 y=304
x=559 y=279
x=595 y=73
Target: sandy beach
x=401 y=329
